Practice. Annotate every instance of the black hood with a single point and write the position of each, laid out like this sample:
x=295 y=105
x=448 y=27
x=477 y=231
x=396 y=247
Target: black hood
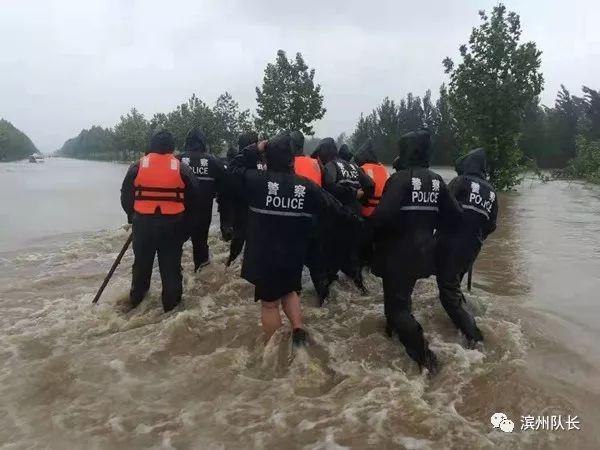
x=246 y=139
x=326 y=150
x=345 y=153
x=279 y=153
x=414 y=148
x=195 y=141
x=162 y=142
x=297 y=143
x=366 y=154
x=473 y=163
x=231 y=152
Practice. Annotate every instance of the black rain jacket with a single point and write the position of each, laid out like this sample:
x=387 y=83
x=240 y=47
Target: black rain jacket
x=459 y=245
x=415 y=203
x=282 y=211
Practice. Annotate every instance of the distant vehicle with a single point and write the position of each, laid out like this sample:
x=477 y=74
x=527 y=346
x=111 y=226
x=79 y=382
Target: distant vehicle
x=36 y=158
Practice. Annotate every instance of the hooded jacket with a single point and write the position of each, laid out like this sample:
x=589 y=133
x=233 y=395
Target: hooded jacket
x=209 y=169
x=460 y=245
x=297 y=142
x=415 y=202
x=345 y=153
x=282 y=209
x=342 y=178
x=161 y=143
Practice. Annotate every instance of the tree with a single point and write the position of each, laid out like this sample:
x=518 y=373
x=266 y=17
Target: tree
x=445 y=142
x=591 y=109
x=341 y=140
x=490 y=89
x=231 y=122
x=289 y=99
x=95 y=143
x=533 y=141
x=132 y=135
x=14 y=144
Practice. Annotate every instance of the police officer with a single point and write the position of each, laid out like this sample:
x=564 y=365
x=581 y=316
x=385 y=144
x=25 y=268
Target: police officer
x=415 y=202
x=240 y=208
x=158 y=194
x=282 y=209
x=459 y=246
x=349 y=184
x=310 y=168
x=367 y=160
x=210 y=173
x=225 y=202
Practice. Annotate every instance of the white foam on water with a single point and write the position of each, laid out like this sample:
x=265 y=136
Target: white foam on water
x=202 y=377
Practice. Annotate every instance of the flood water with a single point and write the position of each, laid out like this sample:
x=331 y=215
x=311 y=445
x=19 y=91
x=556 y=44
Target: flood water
x=77 y=376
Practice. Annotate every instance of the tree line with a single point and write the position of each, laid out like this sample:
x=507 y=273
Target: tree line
x=491 y=100
x=14 y=144
x=222 y=123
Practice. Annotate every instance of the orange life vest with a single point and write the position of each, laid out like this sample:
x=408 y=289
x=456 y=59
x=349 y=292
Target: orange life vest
x=158 y=185
x=379 y=174
x=308 y=167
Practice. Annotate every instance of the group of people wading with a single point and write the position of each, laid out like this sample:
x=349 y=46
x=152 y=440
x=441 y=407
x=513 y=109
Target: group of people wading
x=332 y=211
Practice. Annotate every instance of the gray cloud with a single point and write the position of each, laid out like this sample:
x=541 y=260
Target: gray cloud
x=66 y=65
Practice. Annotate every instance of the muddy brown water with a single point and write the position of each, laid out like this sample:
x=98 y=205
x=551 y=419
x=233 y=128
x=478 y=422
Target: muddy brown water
x=77 y=376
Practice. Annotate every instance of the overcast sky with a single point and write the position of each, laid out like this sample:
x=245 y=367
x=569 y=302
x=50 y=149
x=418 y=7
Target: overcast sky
x=66 y=65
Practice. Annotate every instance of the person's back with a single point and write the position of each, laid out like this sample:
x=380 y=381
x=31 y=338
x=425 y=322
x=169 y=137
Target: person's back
x=344 y=179
x=459 y=245
x=210 y=173
x=240 y=207
x=367 y=160
x=349 y=184
x=281 y=208
x=158 y=194
x=208 y=168
x=415 y=202
x=478 y=199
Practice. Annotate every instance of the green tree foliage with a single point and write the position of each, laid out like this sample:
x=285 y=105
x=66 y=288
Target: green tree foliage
x=390 y=120
x=586 y=164
x=14 y=144
x=289 y=98
x=489 y=90
x=591 y=112
x=549 y=135
x=131 y=135
x=95 y=143
x=443 y=126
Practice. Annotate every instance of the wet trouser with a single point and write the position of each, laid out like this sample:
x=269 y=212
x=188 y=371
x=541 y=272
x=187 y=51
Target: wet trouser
x=151 y=237
x=225 y=207
x=199 y=235
x=315 y=263
x=240 y=221
x=366 y=246
x=397 y=296
x=454 y=303
x=348 y=244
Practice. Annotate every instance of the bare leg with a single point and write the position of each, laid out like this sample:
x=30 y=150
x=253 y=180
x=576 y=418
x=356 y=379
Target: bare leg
x=271 y=319
x=292 y=309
